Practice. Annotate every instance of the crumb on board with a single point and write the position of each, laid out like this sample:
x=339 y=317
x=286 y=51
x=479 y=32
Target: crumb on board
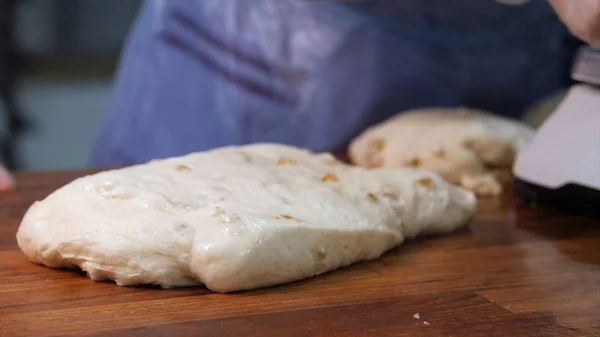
x=417 y=316
x=425 y=322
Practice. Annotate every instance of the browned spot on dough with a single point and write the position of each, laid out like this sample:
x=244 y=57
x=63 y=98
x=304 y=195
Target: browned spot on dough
x=378 y=145
x=321 y=256
x=415 y=162
x=286 y=161
x=277 y=217
x=373 y=156
x=440 y=153
x=425 y=182
x=469 y=143
x=330 y=177
x=287 y=217
x=182 y=168
x=372 y=196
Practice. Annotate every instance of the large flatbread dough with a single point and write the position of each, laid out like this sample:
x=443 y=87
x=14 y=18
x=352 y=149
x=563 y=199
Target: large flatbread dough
x=236 y=218
x=471 y=148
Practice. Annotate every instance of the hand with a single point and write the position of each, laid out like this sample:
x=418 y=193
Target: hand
x=582 y=17
x=7 y=181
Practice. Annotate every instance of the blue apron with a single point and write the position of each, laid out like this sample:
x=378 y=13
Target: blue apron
x=201 y=74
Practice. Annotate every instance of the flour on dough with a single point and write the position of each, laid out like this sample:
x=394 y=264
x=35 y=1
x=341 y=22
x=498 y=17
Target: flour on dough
x=468 y=147
x=236 y=218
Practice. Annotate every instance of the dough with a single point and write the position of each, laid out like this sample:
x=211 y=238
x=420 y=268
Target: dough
x=236 y=218
x=471 y=148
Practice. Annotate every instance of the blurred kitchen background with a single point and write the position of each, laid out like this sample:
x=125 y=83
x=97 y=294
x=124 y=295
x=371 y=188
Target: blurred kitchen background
x=57 y=60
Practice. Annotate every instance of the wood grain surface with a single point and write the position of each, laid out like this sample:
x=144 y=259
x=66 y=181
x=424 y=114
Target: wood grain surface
x=515 y=271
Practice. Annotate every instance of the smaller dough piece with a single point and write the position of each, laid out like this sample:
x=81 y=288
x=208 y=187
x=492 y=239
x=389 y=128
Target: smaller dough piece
x=471 y=148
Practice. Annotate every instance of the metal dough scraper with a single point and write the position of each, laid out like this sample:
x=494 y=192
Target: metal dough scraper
x=561 y=165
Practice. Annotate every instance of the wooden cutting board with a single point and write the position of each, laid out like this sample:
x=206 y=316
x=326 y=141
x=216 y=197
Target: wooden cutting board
x=515 y=271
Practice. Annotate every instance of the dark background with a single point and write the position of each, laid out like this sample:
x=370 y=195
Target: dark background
x=57 y=59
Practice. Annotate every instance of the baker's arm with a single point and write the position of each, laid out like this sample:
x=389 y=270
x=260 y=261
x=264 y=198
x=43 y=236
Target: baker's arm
x=582 y=17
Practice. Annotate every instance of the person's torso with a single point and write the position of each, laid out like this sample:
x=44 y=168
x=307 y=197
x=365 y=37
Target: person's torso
x=202 y=74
